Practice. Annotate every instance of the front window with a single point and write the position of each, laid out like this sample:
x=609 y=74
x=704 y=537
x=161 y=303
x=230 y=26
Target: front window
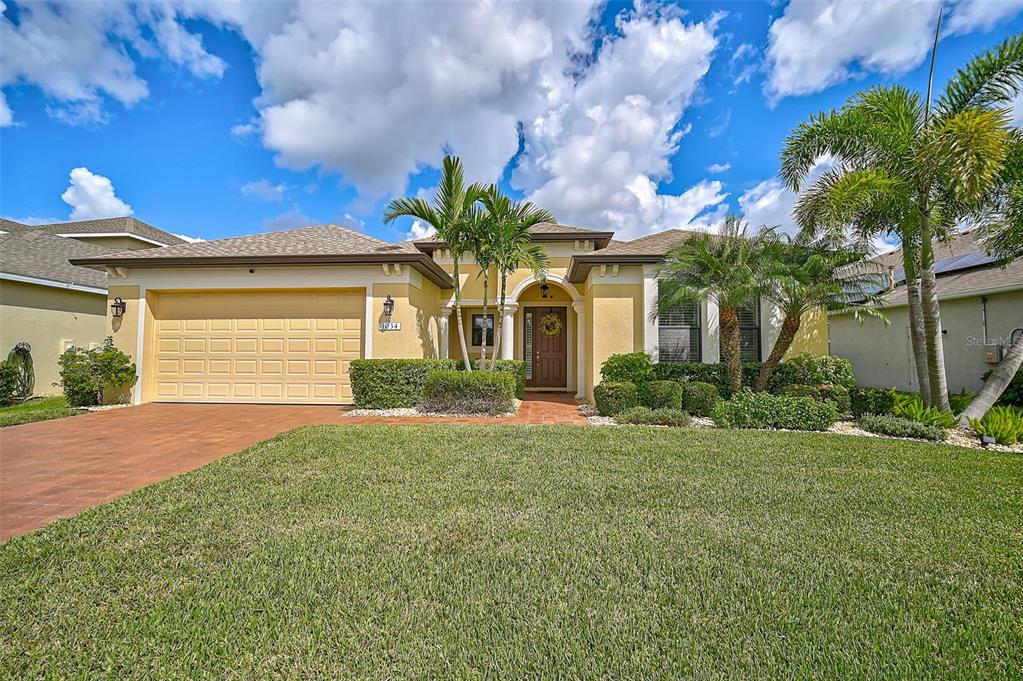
x=678 y=333
x=477 y=330
x=749 y=331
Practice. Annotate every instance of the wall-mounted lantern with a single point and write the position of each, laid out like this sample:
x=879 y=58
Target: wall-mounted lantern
x=388 y=307
x=118 y=307
x=545 y=290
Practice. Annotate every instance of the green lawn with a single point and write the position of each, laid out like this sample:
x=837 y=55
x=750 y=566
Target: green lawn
x=37 y=409
x=395 y=552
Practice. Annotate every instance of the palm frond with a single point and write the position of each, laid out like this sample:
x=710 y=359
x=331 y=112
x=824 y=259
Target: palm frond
x=966 y=151
x=991 y=79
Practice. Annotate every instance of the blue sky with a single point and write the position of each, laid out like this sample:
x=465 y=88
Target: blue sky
x=214 y=119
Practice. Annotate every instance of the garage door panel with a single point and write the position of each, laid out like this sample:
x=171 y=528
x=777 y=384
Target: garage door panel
x=265 y=346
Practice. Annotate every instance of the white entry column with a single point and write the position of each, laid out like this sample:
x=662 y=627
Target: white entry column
x=508 y=331
x=442 y=328
x=580 y=349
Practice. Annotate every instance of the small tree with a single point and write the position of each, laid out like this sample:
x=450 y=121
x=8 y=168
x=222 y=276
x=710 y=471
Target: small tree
x=730 y=269
x=85 y=374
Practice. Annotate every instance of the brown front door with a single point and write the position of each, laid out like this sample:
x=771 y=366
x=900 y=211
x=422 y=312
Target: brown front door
x=549 y=350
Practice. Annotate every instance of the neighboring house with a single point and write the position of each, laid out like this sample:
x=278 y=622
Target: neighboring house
x=52 y=304
x=277 y=317
x=981 y=312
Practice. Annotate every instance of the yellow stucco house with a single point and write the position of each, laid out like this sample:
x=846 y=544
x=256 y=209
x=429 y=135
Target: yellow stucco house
x=48 y=302
x=277 y=317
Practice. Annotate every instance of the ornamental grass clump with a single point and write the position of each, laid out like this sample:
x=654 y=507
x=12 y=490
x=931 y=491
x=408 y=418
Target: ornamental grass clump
x=895 y=426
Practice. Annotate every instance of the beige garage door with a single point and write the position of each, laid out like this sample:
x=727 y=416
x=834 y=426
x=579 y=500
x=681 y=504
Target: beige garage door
x=256 y=346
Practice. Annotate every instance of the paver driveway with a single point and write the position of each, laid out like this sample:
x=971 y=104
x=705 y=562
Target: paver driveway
x=53 y=469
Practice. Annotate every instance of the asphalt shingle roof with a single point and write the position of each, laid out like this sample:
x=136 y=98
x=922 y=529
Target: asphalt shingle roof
x=113 y=225
x=34 y=253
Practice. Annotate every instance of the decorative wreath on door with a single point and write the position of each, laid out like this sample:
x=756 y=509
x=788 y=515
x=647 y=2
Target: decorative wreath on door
x=550 y=325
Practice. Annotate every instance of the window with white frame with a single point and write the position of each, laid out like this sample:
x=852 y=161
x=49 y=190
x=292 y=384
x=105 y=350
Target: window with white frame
x=678 y=332
x=749 y=331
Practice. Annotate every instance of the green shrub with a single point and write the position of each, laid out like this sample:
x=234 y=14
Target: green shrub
x=515 y=367
x=9 y=381
x=909 y=406
x=85 y=374
x=813 y=370
x=748 y=409
x=896 y=426
x=1003 y=423
x=878 y=401
x=644 y=416
x=960 y=401
x=836 y=394
x=662 y=395
x=1012 y=396
x=462 y=392
x=715 y=374
x=634 y=367
x=700 y=398
x=393 y=383
x=614 y=397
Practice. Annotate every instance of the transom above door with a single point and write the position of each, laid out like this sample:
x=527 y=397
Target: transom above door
x=545 y=339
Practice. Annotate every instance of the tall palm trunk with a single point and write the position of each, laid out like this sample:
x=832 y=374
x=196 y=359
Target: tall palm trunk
x=995 y=384
x=916 y=321
x=486 y=330
x=789 y=328
x=458 y=315
x=498 y=326
x=932 y=322
x=730 y=347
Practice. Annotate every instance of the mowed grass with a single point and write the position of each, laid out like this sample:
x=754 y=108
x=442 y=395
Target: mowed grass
x=509 y=552
x=36 y=409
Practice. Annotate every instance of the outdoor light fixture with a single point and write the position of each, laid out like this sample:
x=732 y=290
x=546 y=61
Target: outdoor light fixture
x=118 y=307
x=545 y=290
x=986 y=440
x=388 y=306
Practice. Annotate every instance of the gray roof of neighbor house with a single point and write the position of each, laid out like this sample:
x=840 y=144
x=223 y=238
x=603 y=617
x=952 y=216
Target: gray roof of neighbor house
x=545 y=231
x=35 y=254
x=646 y=249
x=962 y=267
x=123 y=225
x=319 y=244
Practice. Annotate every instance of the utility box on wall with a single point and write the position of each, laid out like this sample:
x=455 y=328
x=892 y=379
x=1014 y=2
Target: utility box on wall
x=993 y=355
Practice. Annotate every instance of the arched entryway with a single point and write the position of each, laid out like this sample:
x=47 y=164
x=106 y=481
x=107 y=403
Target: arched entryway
x=547 y=332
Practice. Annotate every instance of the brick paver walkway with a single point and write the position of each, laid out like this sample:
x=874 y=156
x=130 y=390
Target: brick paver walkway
x=53 y=469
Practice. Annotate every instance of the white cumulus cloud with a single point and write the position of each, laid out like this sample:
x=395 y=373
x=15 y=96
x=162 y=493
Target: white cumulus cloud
x=92 y=196
x=716 y=168
x=770 y=203
x=264 y=190
x=420 y=230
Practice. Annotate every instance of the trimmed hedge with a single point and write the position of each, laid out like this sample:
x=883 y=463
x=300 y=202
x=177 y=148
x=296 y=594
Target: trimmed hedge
x=515 y=367
x=836 y=394
x=878 y=401
x=662 y=395
x=643 y=416
x=884 y=424
x=633 y=367
x=715 y=374
x=700 y=398
x=8 y=381
x=813 y=370
x=614 y=397
x=748 y=409
x=393 y=383
x=463 y=392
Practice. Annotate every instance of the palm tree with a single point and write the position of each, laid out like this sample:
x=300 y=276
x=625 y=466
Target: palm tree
x=512 y=246
x=805 y=277
x=905 y=168
x=730 y=269
x=481 y=242
x=449 y=215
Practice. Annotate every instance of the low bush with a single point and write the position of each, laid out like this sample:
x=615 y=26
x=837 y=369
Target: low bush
x=748 y=409
x=644 y=416
x=909 y=406
x=463 y=392
x=1012 y=396
x=960 y=401
x=813 y=370
x=85 y=374
x=634 y=367
x=9 y=381
x=614 y=397
x=697 y=372
x=662 y=395
x=700 y=398
x=393 y=383
x=896 y=426
x=836 y=394
x=1003 y=423
x=515 y=367
x=878 y=401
